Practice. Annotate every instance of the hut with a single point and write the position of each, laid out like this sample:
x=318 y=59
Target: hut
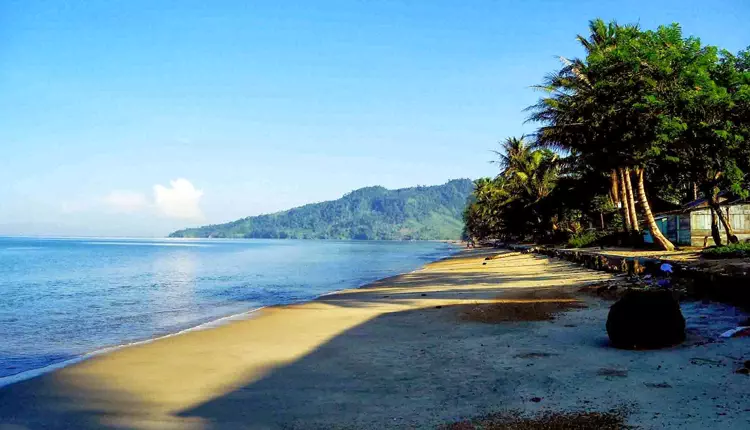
x=691 y=224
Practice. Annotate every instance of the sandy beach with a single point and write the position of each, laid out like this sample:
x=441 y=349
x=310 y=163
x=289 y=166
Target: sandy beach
x=455 y=340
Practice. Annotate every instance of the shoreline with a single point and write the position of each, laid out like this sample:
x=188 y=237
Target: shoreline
x=39 y=371
x=272 y=318
x=402 y=353
x=208 y=325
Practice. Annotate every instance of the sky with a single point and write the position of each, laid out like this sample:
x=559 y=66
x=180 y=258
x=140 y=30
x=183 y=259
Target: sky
x=139 y=117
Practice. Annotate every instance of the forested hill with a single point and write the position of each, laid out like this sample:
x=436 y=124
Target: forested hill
x=420 y=213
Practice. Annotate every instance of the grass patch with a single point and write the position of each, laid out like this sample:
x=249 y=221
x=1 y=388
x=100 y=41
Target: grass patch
x=612 y=420
x=519 y=310
x=582 y=240
x=734 y=250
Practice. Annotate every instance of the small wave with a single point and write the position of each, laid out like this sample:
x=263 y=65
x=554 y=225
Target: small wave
x=32 y=373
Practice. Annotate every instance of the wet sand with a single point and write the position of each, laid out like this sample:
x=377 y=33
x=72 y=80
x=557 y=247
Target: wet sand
x=400 y=353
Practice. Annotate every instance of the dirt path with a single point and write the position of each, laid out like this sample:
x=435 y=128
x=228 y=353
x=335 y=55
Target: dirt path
x=405 y=352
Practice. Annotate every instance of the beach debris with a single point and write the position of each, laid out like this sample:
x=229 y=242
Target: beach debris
x=742 y=331
x=664 y=283
x=646 y=319
x=666 y=268
x=702 y=361
x=611 y=372
x=519 y=310
x=535 y=355
x=745 y=370
x=657 y=385
x=614 y=419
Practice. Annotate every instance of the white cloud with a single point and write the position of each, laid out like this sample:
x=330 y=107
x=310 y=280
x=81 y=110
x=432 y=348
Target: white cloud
x=126 y=201
x=181 y=200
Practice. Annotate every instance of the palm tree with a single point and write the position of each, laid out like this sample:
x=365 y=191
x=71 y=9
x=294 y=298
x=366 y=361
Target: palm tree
x=513 y=157
x=509 y=205
x=588 y=109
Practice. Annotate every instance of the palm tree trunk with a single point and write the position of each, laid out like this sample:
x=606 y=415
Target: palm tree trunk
x=655 y=232
x=715 y=228
x=631 y=201
x=731 y=237
x=614 y=192
x=624 y=201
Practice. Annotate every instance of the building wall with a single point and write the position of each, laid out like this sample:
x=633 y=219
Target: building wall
x=700 y=223
x=675 y=227
x=678 y=229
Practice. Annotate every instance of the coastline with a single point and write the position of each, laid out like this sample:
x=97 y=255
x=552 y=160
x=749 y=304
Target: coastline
x=110 y=362
x=207 y=325
x=399 y=353
x=39 y=371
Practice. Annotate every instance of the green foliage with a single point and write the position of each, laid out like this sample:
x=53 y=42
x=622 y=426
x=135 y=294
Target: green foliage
x=584 y=239
x=510 y=205
x=735 y=250
x=651 y=101
x=420 y=213
x=538 y=196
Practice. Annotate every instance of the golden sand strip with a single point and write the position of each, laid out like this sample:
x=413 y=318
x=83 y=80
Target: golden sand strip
x=151 y=385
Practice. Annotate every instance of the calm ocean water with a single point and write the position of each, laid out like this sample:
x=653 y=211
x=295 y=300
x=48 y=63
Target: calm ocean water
x=63 y=298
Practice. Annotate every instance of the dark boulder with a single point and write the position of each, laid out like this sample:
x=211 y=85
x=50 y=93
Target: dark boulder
x=646 y=319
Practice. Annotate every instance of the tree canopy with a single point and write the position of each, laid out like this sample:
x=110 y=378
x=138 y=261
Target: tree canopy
x=645 y=116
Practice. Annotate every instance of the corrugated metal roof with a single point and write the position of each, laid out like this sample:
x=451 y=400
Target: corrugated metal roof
x=725 y=198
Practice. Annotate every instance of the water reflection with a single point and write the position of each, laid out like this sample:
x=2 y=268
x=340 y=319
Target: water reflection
x=61 y=298
x=172 y=300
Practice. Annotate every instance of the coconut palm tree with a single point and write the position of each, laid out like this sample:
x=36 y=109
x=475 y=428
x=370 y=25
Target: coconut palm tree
x=513 y=156
x=592 y=107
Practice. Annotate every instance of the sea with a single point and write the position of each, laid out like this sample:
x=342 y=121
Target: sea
x=65 y=299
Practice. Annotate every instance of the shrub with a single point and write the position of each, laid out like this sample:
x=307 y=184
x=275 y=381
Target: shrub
x=734 y=250
x=584 y=239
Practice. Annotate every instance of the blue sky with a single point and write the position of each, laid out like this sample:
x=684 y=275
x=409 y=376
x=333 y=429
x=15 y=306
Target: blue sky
x=134 y=118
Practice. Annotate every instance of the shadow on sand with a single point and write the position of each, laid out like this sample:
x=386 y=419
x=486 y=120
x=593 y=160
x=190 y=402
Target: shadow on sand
x=420 y=367
x=384 y=374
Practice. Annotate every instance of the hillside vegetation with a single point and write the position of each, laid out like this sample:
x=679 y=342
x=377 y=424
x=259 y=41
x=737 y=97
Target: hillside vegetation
x=419 y=213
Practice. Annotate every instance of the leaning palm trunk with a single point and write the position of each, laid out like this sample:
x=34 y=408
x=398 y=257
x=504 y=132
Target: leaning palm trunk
x=624 y=201
x=614 y=192
x=655 y=232
x=731 y=237
x=715 y=228
x=631 y=201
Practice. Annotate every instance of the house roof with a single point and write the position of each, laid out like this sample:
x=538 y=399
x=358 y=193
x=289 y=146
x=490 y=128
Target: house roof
x=659 y=205
x=725 y=198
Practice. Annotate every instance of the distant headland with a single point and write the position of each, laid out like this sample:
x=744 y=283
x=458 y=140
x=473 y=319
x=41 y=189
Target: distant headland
x=371 y=213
